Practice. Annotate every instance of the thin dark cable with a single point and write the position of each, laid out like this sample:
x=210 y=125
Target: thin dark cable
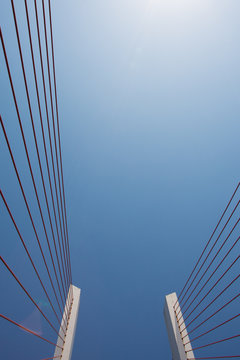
x=29 y=164
x=29 y=256
x=207 y=245
x=217 y=267
x=59 y=144
x=38 y=155
x=211 y=251
x=44 y=143
x=28 y=330
x=211 y=262
x=56 y=155
x=214 y=328
x=49 y=135
x=29 y=296
x=54 y=130
x=49 y=131
x=215 y=342
x=59 y=137
x=27 y=206
x=217 y=311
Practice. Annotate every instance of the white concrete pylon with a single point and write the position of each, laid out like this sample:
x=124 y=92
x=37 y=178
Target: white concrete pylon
x=67 y=345
x=179 y=350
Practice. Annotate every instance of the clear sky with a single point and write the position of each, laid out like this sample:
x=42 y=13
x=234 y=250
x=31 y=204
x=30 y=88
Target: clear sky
x=149 y=103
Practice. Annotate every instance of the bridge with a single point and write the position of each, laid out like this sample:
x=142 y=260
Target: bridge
x=202 y=321
x=44 y=167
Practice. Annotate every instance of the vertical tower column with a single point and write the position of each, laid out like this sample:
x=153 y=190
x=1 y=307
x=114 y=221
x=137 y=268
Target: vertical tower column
x=67 y=345
x=174 y=331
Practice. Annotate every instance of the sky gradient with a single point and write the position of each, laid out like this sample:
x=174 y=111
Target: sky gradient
x=149 y=104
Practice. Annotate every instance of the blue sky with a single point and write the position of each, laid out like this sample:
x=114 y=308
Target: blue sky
x=149 y=111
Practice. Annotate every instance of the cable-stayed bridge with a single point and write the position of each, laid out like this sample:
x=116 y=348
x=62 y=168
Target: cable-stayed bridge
x=206 y=311
x=38 y=182
x=205 y=317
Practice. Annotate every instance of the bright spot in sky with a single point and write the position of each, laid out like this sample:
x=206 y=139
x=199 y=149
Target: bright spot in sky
x=173 y=7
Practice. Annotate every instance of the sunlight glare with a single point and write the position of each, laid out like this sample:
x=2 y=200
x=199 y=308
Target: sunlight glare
x=172 y=7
